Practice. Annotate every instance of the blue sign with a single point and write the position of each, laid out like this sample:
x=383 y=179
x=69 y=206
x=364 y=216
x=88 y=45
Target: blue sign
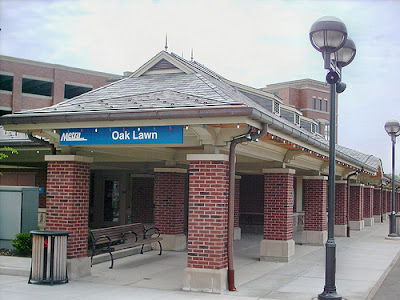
x=122 y=135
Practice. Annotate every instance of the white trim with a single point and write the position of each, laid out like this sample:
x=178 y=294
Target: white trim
x=357 y=184
x=37 y=96
x=315 y=178
x=85 y=159
x=282 y=171
x=38 y=78
x=165 y=71
x=78 y=84
x=6 y=73
x=162 y=55
x=5 y=108
x=212 y=157
x=170 y=170
x=6 y=92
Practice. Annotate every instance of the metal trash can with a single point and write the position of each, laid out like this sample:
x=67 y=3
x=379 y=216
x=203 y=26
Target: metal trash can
x=49 y=257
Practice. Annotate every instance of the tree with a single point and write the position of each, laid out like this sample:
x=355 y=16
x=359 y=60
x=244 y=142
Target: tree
x=3 y=153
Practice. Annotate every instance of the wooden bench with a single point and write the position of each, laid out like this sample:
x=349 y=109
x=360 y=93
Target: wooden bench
x=120 y=237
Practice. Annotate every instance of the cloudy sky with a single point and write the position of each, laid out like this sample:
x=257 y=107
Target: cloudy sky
x=252 y=42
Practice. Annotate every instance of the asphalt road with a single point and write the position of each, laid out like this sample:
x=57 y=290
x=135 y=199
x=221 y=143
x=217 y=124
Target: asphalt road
x=390 y=288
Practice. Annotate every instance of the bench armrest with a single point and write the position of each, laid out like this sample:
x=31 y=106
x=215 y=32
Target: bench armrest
x=149 y=232
x=102 y=237
x=129 y=232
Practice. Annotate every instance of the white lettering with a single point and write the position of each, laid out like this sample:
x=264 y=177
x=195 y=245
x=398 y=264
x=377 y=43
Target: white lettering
x=144 y=135
x=72 y=137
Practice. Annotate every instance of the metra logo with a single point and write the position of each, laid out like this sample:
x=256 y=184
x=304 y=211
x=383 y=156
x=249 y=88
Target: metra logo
x=72 y=137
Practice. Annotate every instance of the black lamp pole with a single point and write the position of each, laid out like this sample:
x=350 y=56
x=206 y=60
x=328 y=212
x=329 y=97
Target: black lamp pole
x=392 y=127
x=328 y=35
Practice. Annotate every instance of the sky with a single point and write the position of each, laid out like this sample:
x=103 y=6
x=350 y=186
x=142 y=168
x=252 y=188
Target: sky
x=255 y=43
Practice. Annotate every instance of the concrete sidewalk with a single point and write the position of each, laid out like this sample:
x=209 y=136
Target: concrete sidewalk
x=363 y=261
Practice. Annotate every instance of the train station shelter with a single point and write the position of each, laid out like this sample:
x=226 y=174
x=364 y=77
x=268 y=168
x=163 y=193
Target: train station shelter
x=154 y=147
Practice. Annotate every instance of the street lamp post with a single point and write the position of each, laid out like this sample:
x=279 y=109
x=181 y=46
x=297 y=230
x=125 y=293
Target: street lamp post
x=392 y=127
x=328 y=35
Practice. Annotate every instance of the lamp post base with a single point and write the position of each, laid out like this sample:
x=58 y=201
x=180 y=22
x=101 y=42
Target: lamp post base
x=329 y=295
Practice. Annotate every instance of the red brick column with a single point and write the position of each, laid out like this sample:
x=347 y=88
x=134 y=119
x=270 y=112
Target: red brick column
x=237 y=235
x=341 y=208
x=398 y=202
x=207 y=224
x=368 y=206
x=377 y=204
x=315 y=194
x=356 y=206
x=67 y=206
x=384 y=205
x=388 y=201
x=278 y=243
x=169 y=190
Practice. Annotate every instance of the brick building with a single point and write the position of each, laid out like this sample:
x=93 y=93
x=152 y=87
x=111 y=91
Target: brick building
x=156 y=144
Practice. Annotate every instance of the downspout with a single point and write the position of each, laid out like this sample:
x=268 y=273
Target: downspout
x=381 y=203
x=231 y=197
x=42 y=142
x=348 y=201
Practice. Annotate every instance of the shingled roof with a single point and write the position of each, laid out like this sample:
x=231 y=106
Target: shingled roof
x=187 y=84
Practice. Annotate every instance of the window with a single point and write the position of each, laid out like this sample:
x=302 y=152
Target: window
x=276 y=107
x=71 y=91
x=320 y=104
x=314 y=103
x=111 y=200
x=313 y=128
x=6 y=82
x=326 y=105
x=37 y=87
x=297 y=119
x=326 y=131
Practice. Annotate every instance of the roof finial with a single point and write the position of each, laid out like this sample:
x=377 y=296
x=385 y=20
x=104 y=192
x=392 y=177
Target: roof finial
x=191 y=56
x=166 y=42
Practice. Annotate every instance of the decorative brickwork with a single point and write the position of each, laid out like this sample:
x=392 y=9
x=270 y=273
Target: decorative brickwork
x=169 y=199
x=208 y=214
x=368 y=201
x=341 y=203
x=315 y=193
x=356 y=202
x=278 y=206
x=67 y=203
x=377 y=202
x=237 y=203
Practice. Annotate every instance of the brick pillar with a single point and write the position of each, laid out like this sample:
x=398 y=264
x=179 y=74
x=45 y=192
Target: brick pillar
x=315 y=194
x=169 y=189
x=398 y=202
x=377 y=205
x=208 y=223
x=278 y=243
x=237 y=235
x=384 y=206
x=67 y=206
x=388 y=202
x=341 y=208
x=356 y=206
x=368 y=205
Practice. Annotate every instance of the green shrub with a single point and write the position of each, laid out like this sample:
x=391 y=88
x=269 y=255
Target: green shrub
x=23 y=243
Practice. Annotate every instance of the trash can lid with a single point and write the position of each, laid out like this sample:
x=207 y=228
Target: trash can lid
x=49 y=233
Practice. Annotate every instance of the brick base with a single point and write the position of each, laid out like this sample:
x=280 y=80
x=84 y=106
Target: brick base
x=377 y=219
x=275 y=250
x=311 y=237
x=78 y=267
x=340 y=230
x=237 y=233
x=369 y=221
x=357 y=225
x=205 y=280
x=172 y=242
